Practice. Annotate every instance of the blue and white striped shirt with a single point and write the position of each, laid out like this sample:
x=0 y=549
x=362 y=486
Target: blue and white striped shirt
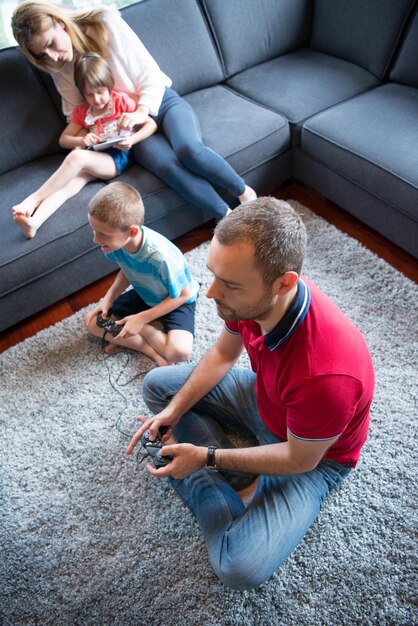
x=157 y=271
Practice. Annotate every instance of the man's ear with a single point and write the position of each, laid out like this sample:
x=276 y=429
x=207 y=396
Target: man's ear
x=285 y=283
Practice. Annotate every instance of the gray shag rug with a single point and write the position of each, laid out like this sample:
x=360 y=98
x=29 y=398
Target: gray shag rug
x=89 y=537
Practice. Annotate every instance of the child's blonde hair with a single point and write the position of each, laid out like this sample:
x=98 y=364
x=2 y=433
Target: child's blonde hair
x=34 y=18
x=118 y=205
x=91 y=69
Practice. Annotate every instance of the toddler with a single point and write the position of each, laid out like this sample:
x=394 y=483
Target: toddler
x=91 y=123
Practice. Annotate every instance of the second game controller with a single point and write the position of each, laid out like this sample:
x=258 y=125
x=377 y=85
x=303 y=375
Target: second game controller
x=108 y=325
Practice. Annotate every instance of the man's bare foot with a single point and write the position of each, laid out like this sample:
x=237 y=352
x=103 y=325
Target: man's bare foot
x=26 y=224
x=249 y=194
x=247 y=493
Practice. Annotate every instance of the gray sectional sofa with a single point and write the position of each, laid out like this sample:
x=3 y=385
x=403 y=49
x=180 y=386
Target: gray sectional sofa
x=324 y=91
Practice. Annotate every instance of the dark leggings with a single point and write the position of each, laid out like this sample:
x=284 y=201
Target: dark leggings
x=177 y=155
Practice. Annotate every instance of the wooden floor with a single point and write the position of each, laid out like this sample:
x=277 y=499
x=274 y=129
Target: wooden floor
x=329 y=211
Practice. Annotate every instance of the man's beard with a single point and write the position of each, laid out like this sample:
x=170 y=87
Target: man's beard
x=253 y=312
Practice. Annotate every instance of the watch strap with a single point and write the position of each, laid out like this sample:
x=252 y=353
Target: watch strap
x=210 y=460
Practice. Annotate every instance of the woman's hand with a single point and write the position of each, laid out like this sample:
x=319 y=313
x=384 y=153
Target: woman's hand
x=125 y=144
x=128 y=121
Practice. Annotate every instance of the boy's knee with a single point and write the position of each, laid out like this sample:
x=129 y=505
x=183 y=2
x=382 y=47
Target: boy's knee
x=177 y=354
x=90 y=322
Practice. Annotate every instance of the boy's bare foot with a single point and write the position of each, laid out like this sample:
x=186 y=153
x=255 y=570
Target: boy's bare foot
x=26 y=224
x=247 y=493
x=160 y=360
x=109 y=348
x=249 y=194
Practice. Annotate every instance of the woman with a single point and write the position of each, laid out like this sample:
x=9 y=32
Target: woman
x=52 y=39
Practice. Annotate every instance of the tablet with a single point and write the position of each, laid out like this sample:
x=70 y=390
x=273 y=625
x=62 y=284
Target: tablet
x=104 y=145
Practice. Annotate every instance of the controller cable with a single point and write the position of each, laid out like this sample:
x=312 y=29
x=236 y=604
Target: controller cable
x=102 y=356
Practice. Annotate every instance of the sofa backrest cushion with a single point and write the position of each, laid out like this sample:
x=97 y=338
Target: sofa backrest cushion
x=176 y=34
x=405 y=69
x=249 y=32
x=30 y=124
x=366 y=33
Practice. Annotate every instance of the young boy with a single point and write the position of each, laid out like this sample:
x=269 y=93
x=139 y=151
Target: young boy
x=162 y=285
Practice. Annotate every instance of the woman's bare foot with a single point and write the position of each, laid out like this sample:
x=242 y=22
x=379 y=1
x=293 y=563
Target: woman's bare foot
x=26 y=224
x=249 y=194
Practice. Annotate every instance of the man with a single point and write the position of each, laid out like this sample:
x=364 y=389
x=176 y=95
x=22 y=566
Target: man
x=306 y=401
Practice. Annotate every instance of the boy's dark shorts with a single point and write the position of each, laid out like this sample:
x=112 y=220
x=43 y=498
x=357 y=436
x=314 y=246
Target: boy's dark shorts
x=130 y=303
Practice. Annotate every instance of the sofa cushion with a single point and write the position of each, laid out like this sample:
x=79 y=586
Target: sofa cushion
x=406 y=66
x=365 y=33
x=31 y=125
x=302 y=83
x=224 y=115
x=371 y=140
x=177 y=36
x=249 y=32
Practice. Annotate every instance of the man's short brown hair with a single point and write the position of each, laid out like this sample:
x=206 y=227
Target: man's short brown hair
x=276 y=231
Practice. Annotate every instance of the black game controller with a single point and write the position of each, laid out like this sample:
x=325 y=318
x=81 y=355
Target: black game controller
x=108 y=325
x=153 y=448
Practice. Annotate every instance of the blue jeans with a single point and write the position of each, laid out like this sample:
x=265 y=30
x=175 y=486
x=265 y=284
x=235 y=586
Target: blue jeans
x=245 y=545
x=178 y=156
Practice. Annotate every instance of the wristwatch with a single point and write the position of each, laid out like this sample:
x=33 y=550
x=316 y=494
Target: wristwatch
x=211 y=461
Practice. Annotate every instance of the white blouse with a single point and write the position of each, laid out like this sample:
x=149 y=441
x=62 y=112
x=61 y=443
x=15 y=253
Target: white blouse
x=134 y=69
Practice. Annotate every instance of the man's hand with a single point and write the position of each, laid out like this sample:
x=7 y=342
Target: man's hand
x=153 y=424
x=187 y=460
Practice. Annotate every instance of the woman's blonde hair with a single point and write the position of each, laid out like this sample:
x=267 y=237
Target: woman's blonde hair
x=91 y=69
x=34 y=18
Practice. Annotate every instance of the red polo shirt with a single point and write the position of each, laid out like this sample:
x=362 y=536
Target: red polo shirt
x=314 y=374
